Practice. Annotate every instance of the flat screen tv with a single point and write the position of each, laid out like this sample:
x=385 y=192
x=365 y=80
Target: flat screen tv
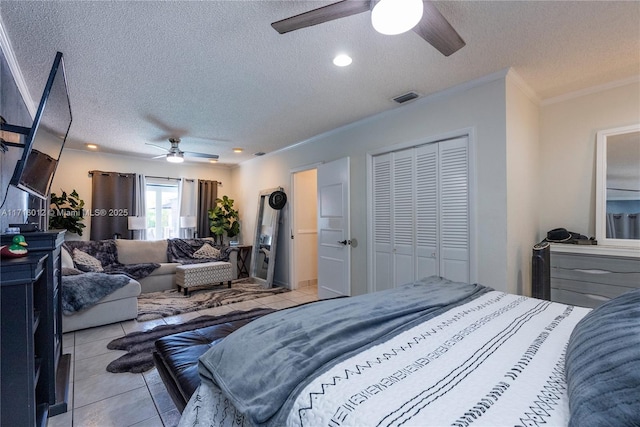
x=45 y=139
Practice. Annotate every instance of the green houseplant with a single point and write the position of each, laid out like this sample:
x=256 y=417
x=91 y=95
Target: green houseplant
x=67 y=212
x=223 y=218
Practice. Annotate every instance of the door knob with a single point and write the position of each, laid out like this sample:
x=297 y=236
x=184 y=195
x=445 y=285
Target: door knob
x=345 y=242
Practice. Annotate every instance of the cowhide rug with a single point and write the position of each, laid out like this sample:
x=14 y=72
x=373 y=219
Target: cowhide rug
x=155 y=305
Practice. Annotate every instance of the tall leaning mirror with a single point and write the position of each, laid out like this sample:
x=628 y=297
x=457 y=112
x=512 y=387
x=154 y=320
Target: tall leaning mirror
x=263 y=253
x=618 y=187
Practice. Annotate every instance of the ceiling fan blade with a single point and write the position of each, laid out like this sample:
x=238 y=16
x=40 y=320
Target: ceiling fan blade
x=327 y=13
x=203 y=155
x=435 y=29
x=157 y=146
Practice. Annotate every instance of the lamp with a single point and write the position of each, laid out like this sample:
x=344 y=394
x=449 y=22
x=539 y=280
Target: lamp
x=188 y=222
x=175 y=157
x=392 y=17
x=136 y=223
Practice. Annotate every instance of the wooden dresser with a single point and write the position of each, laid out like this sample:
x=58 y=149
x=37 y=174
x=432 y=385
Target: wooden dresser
x=35 y=373
x=588 y=276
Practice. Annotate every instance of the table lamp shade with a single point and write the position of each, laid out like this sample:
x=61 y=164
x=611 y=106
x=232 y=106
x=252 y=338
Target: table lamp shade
x=187 y=222
x=137 y=222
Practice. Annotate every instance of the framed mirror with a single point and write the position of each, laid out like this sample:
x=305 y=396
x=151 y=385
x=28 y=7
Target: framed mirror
x=618 y=187
x=263 y=253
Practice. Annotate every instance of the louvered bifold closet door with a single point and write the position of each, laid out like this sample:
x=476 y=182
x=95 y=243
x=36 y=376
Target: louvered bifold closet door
x=426 y=211
x=454 y=209
x=383 y=249
x=403 y=216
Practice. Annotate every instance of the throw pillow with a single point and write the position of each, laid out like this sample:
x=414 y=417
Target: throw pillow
x=206 y=251
x=86 y=262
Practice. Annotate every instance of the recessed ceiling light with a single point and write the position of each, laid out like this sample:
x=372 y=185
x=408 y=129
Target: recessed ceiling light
x=92 y=146
x=342 y=60
x=237 y=150
x=213 y=160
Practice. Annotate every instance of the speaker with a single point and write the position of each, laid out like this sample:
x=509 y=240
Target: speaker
x=541 y=271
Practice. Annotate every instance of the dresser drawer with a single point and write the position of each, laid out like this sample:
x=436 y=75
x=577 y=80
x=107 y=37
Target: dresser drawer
x=589 y=280
x=575 y=298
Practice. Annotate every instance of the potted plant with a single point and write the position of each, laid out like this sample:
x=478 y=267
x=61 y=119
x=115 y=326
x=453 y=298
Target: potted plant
x=67 y=212
x=223 y=218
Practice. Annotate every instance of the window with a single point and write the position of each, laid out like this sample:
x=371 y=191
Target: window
x=162 y=200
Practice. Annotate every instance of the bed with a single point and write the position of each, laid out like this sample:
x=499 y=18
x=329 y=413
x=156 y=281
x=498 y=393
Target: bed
x=429 y=353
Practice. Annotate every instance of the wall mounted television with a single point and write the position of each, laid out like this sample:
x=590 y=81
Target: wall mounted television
x=46 y=137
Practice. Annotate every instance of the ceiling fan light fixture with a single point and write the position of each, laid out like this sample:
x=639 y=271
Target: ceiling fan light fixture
x=391 y=17
x=175 y=158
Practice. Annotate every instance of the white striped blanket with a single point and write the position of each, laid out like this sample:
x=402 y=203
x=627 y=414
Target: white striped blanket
x=497 y=360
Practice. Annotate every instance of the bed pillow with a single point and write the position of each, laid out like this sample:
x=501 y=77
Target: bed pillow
x=86 y=262
x=206 y=251
x=603 y=365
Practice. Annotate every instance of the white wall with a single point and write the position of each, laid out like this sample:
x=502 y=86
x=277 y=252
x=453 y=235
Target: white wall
x=523 y=171
x=568 y=127
x=479 y=106
x=73 y=173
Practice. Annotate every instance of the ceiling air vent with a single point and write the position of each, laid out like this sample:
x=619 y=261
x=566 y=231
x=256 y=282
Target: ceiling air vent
x=406 y=97
x=259 y=153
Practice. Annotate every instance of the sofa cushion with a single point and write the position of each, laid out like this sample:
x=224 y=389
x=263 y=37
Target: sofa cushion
x=86 y=262
x=103 y=250
x=141 y=251
x=165 y=268
x=65 y=258
x=206 y=252
x=132 y=289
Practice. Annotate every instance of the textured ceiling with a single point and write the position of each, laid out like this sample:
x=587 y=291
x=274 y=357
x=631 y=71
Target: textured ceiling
x=217 y=75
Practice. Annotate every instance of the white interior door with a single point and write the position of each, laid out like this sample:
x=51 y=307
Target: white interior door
x=334 y=240
x=427 y=231
x=403 y=215
x=454 y=210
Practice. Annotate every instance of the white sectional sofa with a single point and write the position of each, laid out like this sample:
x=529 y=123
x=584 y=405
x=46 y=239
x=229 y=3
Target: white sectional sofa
x=123 y=304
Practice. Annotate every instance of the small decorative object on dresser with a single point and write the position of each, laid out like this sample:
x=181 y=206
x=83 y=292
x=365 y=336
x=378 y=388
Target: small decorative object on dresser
x=17 y=248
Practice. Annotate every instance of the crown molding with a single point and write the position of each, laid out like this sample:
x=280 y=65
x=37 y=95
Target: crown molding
x=591 y=90
x=14 y=68
x=516 y=79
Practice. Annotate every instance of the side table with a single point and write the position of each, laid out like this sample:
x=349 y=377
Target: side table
x=244 y=258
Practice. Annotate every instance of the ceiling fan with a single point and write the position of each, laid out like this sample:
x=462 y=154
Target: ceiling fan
x=175 y=155
x=421 y=16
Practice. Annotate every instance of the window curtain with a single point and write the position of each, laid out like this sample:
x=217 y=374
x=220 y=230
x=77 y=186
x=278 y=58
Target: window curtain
x=188 y=207
x=112 y=202
x=207 y=195
x=623 y=226
x=140 y=210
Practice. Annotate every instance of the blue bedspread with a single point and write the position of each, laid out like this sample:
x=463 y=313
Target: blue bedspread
x=260 y=365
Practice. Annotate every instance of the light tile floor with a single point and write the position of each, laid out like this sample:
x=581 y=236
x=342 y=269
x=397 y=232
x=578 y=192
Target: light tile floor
x=98 y=398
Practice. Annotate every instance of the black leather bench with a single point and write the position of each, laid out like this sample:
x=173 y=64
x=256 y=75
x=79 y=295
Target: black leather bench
x=176 y=357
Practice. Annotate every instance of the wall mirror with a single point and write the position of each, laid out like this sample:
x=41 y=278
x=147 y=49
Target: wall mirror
x=618 y=187
x=263 y=253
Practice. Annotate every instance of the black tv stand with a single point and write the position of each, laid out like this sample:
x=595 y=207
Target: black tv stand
x=35 y=373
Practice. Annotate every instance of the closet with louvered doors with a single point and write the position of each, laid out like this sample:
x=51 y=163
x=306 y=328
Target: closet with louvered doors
x=421 y=213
